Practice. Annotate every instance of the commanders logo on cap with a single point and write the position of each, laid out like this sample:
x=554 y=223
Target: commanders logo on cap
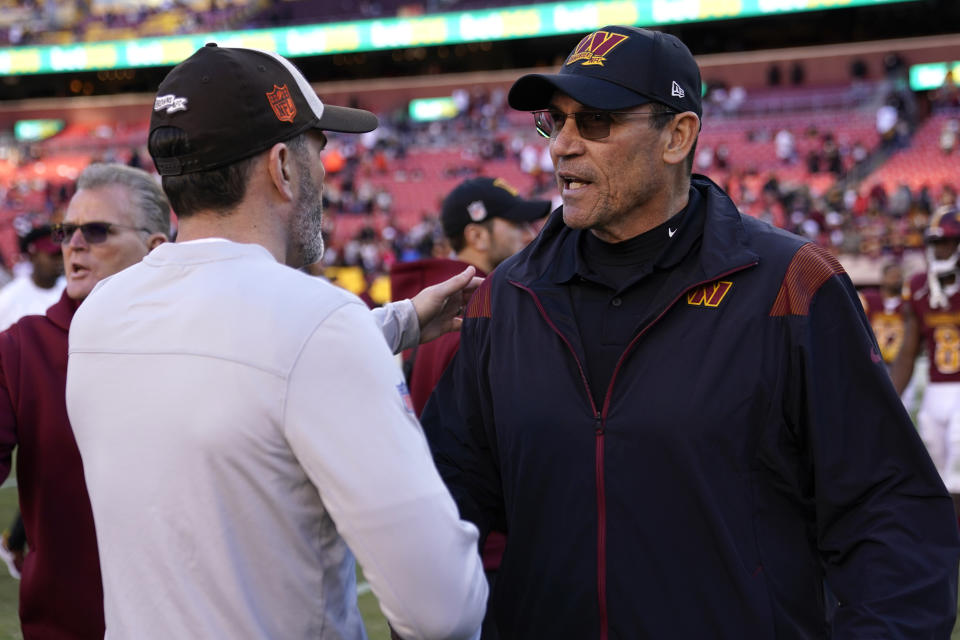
x=282 y=104
x=593 y=49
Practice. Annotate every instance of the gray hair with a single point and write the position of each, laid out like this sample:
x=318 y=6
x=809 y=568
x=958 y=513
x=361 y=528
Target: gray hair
x=148 y=198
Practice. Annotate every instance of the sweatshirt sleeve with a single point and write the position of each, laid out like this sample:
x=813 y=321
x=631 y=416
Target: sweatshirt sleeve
x=399 y=323
x=349 y=422
x=885 y=525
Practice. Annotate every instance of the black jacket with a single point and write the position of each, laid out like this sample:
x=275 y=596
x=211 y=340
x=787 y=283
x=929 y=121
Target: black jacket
x=749 y=446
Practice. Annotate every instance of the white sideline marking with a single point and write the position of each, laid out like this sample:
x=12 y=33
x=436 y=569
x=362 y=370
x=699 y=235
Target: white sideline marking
x=363 y=588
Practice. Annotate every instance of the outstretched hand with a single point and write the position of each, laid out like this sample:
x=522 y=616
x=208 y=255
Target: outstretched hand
x=440 y=307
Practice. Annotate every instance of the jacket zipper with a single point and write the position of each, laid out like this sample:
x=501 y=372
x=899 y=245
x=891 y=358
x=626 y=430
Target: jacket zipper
x=598 y=429
x=601 y=528
x=599 y=426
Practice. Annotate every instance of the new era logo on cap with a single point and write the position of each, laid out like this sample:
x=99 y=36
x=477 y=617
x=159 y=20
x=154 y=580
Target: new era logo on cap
x=676 y=90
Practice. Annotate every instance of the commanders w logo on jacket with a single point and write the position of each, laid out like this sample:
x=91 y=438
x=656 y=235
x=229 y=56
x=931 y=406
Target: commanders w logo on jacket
x=709 y=295
x=594 y=47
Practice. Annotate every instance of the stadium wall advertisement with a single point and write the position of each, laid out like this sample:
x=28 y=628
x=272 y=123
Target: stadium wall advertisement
x=526 y=21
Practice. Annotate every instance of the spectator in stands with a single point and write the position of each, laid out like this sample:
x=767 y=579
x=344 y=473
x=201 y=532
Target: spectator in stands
x=197 y=344
x=858 y=153
x=832 y=158
x=858 y=70
x=785 y=146
x=900 y=201
x=653 y=351
x=813 y=160
x=722 y=156
x=798 y=73
x=704 y=159
x=948 y=136
x=774 y=75
x=887 y=119
x=894 y=66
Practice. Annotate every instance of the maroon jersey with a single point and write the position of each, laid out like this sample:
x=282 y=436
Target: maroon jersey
x=886 y=318
x=939 y=328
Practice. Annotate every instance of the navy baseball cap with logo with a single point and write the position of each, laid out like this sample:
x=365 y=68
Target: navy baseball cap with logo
x=617 y=67
x=480 y=199
x=235 y=103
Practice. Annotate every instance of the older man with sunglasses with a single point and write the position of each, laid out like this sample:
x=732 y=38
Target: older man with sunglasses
x=117 y=215
x=679 y=413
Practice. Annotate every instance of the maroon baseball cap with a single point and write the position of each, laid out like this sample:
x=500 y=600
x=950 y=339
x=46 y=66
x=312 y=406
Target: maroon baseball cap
x=38 y=240
x=234 y=103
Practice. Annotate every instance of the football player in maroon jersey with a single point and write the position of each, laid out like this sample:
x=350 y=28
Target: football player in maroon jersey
x=932 y=316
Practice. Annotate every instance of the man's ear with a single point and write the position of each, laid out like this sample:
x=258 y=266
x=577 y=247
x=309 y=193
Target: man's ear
x=477 y=237
x=683 y=130
x=155 y=240
x=280 y=167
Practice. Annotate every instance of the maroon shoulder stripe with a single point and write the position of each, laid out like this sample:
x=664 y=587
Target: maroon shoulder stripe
x=479 y=305
x=810 y=268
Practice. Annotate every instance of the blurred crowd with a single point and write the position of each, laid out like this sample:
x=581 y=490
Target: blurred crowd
x=383 y=189
x=37 y=22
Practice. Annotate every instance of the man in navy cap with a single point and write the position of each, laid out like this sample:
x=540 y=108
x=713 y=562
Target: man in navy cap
x=679 y=414
x=485 y=222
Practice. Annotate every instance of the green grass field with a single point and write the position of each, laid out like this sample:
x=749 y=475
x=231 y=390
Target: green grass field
x=9 y=622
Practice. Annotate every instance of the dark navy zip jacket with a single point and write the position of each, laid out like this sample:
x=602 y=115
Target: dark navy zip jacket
x=749 y=446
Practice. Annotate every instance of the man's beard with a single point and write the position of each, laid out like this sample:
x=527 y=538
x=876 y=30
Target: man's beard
x=308 y=221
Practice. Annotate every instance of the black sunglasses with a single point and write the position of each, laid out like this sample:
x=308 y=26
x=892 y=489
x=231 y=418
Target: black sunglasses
x=93 y=232
x=592 y=125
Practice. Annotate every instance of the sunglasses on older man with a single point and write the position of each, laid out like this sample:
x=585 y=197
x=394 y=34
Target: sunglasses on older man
x=93 y=232
x=592 y=125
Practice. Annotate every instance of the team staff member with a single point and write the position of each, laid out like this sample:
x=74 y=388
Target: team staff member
x=485 y=222
x=124 y=215
x=679 y=414
x=241 y=422
x=932 y=317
